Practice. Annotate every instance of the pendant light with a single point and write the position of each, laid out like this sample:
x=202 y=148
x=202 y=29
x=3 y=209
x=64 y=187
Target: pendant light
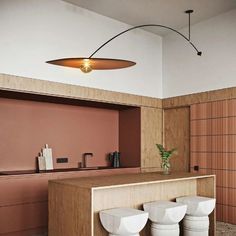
x=87 y=64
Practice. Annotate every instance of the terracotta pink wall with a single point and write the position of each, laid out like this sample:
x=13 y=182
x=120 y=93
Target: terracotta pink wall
x=213 y=149
x=70 y=130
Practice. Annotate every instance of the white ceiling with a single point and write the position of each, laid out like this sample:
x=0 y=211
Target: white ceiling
x=166 y=12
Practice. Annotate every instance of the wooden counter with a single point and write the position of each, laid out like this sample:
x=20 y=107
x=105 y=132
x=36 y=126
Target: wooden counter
x=74 y=204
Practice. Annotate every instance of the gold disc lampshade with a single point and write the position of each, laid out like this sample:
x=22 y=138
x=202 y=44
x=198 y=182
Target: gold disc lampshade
x=88 y=64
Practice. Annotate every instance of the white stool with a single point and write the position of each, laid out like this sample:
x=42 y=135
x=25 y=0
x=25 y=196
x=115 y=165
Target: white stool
x=123 y=221
x=165 y=217
x=196 y=222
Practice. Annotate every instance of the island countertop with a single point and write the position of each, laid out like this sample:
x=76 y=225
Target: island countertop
x=99 y=182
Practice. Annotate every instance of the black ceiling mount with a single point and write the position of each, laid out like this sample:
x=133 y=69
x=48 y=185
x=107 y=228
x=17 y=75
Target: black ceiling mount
x=189 y=11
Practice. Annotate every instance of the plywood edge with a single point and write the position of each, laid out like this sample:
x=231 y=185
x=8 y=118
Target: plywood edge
x=55 y=175
x=154 y=182
x=207 y=186
x=49 y=88
x=92 y=212
x=150 y=169
x=209 y=96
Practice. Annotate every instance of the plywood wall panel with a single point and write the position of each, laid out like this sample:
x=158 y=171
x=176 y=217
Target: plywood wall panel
x=209 y=96
x=43 y=87
x=151 y=134
x=176 y=135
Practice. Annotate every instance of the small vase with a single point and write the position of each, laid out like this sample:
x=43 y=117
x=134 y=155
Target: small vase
x=166 y=171
x=166 y=167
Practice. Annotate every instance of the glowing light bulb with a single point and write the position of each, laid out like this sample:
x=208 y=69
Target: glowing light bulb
x=86 y=66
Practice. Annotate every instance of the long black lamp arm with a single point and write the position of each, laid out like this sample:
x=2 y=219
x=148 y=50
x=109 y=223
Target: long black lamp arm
x=199 y=53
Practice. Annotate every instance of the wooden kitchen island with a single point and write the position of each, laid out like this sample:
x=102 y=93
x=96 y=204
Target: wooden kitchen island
x=74 y=204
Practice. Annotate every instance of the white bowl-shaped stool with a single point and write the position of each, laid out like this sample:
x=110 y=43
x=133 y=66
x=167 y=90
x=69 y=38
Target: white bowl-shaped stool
x=196 y=221
x=165 y=217
x=123 y=221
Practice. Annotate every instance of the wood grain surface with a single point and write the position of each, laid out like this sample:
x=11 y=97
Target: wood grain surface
x=208 y=96
x=177 y=135
x=49 y=88
x=151 y=134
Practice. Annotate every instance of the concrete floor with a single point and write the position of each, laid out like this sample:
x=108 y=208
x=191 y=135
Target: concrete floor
x=225 y=229
x=222 y=229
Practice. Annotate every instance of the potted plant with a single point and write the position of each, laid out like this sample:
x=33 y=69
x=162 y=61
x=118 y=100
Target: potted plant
x=165 y=158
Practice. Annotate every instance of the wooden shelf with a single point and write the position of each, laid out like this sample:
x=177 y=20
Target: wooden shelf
x=25 y=172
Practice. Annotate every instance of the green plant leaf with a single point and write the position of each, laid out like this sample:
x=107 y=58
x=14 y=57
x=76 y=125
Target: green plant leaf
x=165 y=154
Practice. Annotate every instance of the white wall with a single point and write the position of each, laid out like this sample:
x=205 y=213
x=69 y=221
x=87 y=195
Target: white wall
x=34 y=31
x=186 y=73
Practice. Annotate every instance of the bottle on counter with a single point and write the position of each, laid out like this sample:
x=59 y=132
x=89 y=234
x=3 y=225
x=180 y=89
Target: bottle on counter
x=41 y=162
x=47 y=153
x=115 y=159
